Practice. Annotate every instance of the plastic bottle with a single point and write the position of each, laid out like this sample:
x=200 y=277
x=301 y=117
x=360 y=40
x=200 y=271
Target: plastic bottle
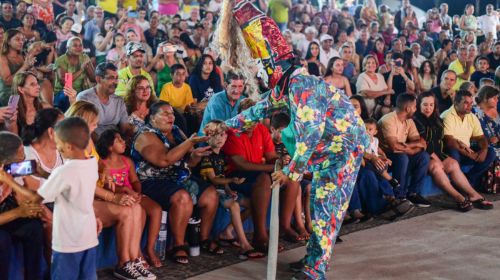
x=161 y=242
x=194 y=227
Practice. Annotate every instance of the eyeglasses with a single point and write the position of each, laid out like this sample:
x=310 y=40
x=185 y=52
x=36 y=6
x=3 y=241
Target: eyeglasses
x=111 y=78
x=142 y=88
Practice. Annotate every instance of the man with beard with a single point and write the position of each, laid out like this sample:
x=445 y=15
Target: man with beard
x=135 y=56
x=112 y=110
x=494 y=57
x=403 y=145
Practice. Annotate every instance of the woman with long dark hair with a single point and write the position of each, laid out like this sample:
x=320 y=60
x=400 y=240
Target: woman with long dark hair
x=431 y=128
x=334 y=75
x=12 y=61
x=204 y=80
x=314 y=66
x=426 y=78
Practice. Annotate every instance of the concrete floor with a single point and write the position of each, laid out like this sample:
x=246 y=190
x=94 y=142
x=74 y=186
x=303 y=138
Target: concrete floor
x=440 y=245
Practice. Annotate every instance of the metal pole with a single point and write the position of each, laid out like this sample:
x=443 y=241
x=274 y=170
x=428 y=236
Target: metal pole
x=272 y=254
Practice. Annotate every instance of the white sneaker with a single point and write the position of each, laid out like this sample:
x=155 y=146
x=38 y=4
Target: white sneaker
x=146 y=274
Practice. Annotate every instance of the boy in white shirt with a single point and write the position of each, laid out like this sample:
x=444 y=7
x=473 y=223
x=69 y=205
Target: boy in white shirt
x=71 y=187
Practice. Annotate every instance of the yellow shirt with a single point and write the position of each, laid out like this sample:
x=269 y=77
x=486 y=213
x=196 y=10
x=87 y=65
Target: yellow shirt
x=460 y=129
x=110 y=6
x=177 y=97
x=459 y=69
x=124 y=75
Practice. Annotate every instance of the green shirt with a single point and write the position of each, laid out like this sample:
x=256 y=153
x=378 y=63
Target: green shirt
x=63 y=62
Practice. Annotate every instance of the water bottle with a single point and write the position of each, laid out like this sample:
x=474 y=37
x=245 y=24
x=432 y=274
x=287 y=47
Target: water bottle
x=193 y=236
x=161 y=242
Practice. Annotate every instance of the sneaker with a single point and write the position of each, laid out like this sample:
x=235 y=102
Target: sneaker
x=419 y=201
x=127 y=272
x=146 y=274
x=394 y=183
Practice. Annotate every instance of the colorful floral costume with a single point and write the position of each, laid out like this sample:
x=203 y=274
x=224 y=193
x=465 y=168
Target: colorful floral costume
x=331 y=137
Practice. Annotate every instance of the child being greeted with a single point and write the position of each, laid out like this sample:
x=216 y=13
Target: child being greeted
x=121 y=170
x=373 y=152
x=71 y=187
x=278 y=122
x=212 y=169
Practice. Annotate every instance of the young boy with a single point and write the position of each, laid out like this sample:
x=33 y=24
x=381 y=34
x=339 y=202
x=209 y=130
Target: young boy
x=177 y=92
x=212 y=170
x=373 y=152
x=482 y=71
x=71 y=187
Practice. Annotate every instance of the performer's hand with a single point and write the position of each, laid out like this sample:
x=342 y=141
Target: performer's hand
x=280 y=177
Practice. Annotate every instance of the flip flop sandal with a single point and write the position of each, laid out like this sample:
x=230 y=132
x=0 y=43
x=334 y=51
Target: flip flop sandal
x=180 y=259
x=251 y=254
x=465 y=205
x=229 y=242
x=480 y=204
x=206 y=246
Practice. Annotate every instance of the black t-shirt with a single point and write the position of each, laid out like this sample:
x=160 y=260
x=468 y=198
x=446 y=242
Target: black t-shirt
x=443 y=103
x=477 y=76
x=155 y=40
x=398 y=85
x=12 y=24
x=494 y=62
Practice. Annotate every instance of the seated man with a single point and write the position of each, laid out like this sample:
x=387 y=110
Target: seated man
x=224 y=105
x=461 y=127
x=444 y=92
x=112 y=110
x=401 y=142
x=251 y=156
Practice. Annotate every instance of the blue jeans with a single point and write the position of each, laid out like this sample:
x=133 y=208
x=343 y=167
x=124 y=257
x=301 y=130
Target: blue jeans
x=355 y=202
x=29 y=233
x=372 y=189
x=79 y=265
x=404 y=166
x=476 y=172
x=61 y=101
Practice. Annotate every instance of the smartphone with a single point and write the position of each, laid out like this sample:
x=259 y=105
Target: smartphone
x=23 y=168
x=68 y=80
x=132 y=14
x=398 y=63
x=13 y=100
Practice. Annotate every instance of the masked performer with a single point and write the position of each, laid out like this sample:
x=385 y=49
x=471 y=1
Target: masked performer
x=331 y=138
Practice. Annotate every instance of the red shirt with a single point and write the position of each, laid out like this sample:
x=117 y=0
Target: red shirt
x=251 y=148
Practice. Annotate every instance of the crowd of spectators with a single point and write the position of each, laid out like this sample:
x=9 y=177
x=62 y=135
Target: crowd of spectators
x=149 y=88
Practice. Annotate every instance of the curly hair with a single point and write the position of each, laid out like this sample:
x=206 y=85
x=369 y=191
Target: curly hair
x=131 y=98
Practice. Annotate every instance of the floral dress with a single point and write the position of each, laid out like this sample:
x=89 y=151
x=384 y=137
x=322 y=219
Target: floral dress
x=330 y=143
x=491 y=127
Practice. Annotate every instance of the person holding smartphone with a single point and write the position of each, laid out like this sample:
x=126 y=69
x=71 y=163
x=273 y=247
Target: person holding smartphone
x=18 y=217
x=398 y=79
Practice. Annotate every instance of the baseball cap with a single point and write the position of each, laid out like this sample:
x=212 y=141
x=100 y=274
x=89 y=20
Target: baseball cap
x=325 y=37
x=77 y=28
x=132 y=47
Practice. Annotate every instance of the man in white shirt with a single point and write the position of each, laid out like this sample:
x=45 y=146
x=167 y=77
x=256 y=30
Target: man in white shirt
x=445 y=18
x=489 y=22
x=417 y=58
x=326 y=51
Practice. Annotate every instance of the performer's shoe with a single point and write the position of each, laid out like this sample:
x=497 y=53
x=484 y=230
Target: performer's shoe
x=296 y=266
x=300 y=276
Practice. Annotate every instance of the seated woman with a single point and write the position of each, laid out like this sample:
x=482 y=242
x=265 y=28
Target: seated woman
x=76 y=62
x=163 y=156
x=204 y=80
x=487 y=113
x=372 y=85
x=18 y=218
x=26 y=86
x=314 y=66
x=138 y=98
x=40 y=145
x=121 y=210
x=334 y=75
x=431 y=128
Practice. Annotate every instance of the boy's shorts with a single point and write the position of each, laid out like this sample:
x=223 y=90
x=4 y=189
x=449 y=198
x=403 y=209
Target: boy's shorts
x=79 y=265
